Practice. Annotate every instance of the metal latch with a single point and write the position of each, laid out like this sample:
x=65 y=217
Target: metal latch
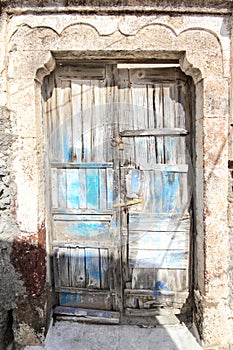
x=129 y=203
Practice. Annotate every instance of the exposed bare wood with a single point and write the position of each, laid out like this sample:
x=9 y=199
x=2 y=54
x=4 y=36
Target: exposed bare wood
x=155 y=132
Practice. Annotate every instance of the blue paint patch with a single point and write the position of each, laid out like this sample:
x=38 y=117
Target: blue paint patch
x=70 y=299
x=159 y=287
x=89 y=229
x=67 y=149
x=93 y=268
x=171 y=186
x=92 y=185
x=135 y=181
x=72 y=189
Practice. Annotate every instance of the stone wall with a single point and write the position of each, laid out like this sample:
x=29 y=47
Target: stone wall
x=32 y=41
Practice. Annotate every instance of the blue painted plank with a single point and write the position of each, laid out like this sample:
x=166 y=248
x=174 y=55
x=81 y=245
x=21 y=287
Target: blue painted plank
x=63 y=264
x=86 y=165
x=77 y=267
x=62 y=188
x=72 y=188
x=69 y=299
x=158 y=259
x=92 y=183
x=82 y=230
x=82 y=189
x=104 y=269
x=109 y=188
x=149 y=222
x=103 y=188
x=171 y=191
x=92 y=268
x=158 y=240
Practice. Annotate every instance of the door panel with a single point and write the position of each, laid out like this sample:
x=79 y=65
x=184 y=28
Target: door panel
x=119 y=158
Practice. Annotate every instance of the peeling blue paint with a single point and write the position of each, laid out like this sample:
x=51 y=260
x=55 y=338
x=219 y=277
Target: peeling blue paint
x=70 y=298
x=92 y=181
x=171 y=186
x=88 y=229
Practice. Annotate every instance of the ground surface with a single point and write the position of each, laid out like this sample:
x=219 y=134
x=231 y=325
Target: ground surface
x=65 y=335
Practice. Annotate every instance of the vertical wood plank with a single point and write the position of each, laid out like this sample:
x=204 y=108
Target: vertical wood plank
x=171 y=190
x=102 y=189
x=54 y=185
x=77 y=268
x=55 y=141
x=151 y=106
x=77 y=120
x=104 y=269
x=92 y=186
x=62 y=195
x=86 y=120
x=57 y=280
x=66 y=119
x=63 y=256
x=92 y=268
x=82 y=189
x=72 y=188
x=109 y=188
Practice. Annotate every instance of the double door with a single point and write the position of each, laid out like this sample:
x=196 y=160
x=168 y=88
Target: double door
x=120 y=185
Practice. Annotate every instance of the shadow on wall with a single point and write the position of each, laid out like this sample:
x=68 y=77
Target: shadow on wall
x=24 y=315
x=24 y=296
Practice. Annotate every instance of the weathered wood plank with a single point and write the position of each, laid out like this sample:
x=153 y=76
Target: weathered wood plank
x=54 y=185
x=85 y=298
x=76 y=120
x=174 y=279
x=104 y=269
x=109 y=188
x=92 y=187
x=86 y=165
x=89 y=230
x=158 y=240
x=171 y=192
x=82 y=188
x=72 y=188
x=158 y=258
x=87 y=90
x=98 y=316
x=77 y=268
x=62 y=191
x=155 y=75
x=102 y=189
x=81 y=72
x=155 y=132
x=66 y=120
x=92 y=268
x=163 y=223
x=81 y=211
x=63 y=266
x=80 y=217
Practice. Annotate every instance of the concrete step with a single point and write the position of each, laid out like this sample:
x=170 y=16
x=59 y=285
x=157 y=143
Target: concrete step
x=65 y=335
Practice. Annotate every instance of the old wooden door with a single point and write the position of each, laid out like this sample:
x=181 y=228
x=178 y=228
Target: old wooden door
x=119 y=178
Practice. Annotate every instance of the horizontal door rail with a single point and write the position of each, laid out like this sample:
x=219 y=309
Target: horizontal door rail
x=167 y=168
x=82 y=211
x=155 y=132
x=93 y=165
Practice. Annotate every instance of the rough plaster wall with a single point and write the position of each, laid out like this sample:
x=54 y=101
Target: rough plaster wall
x=23 y=293
x=10 y=284
x=22 y=258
